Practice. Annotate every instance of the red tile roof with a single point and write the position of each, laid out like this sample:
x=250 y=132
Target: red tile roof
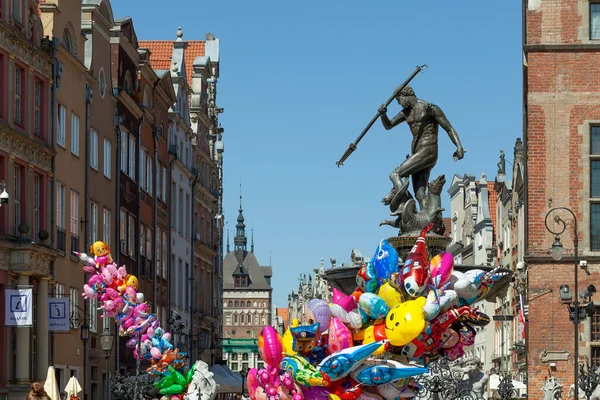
x=492 y=204
x=162 y=51
x=448 y=226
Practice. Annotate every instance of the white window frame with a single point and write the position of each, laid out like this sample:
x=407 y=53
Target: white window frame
x=74 y=134
x=60 y=206
x=94 y=149
x=123 y=150
x=131 y=236
x=18 y=95
x=131 y=166
x=18 y=187
x=149 y=168
x=143 y=184
x=106 y=223
x=123 y=247
x=73 y=308
x=74 y=213
x=93 y=313
x=93 y=222
x=596 y=23
x=62 y=121
x=37 y=107
x=107 y=158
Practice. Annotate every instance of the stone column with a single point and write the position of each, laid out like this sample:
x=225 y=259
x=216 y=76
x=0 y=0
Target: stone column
x=23 y=344
x=41 y=329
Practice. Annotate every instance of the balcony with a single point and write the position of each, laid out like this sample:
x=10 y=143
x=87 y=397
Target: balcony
x=60 y=239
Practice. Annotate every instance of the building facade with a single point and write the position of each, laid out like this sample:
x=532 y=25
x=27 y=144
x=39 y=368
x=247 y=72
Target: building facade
x=247 y=299
x=472 y=232
x=27 y=160
x=195 y=65
x=562 y=109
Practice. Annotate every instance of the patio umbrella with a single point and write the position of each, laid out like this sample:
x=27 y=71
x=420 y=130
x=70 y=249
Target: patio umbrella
x=51 y=386
x=73 y=387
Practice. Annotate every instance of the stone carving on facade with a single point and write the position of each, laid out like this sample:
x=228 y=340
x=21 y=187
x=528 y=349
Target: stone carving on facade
x=552 y=389
x=18 y=148
x=26 y=53
x=549 y=356
x=476 y=379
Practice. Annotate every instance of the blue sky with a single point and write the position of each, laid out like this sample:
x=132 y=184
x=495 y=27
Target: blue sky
x=300 y=80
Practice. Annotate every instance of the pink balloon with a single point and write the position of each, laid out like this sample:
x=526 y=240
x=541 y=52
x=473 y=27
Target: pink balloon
x=346 y=302
x=340 y=337
x=441 y=272
x=270 y=346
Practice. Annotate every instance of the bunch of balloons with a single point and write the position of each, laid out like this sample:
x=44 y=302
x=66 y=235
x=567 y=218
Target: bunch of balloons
x=371 y=343
x=117 y=293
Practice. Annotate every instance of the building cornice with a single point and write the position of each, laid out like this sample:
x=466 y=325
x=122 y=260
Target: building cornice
x=131 y=105
x=565 y=48
x=26 y=147
x=25 y=52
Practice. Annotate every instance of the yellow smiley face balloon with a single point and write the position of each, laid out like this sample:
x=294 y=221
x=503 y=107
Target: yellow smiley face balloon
x=405 y=321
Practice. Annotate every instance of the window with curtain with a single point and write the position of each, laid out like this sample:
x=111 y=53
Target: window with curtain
x=107 y=158
x=94 y=149
x=93 y=222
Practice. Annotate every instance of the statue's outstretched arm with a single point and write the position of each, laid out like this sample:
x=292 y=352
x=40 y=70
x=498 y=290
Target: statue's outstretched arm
x=441 y=119
x=387 y=124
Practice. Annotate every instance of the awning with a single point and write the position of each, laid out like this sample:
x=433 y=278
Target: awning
x=495 y=381
x=227 y=383
x=233 y=374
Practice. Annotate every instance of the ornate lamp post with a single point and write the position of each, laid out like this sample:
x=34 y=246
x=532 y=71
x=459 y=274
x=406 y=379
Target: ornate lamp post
x=85 y=336
x=244 y=374
x=106 y=342
x=577 y=312
x=589 y=379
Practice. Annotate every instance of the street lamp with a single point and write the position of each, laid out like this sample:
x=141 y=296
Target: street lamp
x=85 y=336
x=106 y=342
x=577 y=313
x=244 y=374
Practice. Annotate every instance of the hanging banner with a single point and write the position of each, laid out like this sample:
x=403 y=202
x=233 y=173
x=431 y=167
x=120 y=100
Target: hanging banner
x=58 y=314
x=19 y=311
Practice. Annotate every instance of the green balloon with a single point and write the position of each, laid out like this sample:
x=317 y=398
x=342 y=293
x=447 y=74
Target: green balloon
x=173 y=389
x=190 y=375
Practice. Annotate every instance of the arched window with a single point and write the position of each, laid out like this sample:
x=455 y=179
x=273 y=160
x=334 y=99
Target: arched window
x=264 y=304
x=230 y=303
x=237 y=304
x=235 y=319
x=102 y=82
x=248 y=303
x=146 y=100
x=255 y=304
x=66 y=40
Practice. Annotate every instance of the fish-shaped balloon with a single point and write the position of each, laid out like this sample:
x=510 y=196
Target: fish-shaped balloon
x=375 y=372
x=303 y=372
x=441 y=267
x=385 y=262
x=414 y=274
x=340 y=364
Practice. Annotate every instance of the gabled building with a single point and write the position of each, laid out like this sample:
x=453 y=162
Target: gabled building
x=199 y=61
x=247 y=298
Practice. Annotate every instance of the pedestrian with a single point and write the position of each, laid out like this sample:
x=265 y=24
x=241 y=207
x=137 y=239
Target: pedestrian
x=37 y=392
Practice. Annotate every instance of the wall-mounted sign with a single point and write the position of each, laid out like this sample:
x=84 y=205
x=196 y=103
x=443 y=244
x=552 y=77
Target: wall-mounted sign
x=19 y=311
x=58 y=314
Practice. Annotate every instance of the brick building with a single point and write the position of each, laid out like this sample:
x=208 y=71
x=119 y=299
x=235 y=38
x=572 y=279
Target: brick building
x=562 y=137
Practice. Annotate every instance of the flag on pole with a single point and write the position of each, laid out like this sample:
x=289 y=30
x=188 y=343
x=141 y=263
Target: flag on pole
x=522 y=315
x=19 y=311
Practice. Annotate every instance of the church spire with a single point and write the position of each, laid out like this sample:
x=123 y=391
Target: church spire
x=240 y=241
x=252 y=240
